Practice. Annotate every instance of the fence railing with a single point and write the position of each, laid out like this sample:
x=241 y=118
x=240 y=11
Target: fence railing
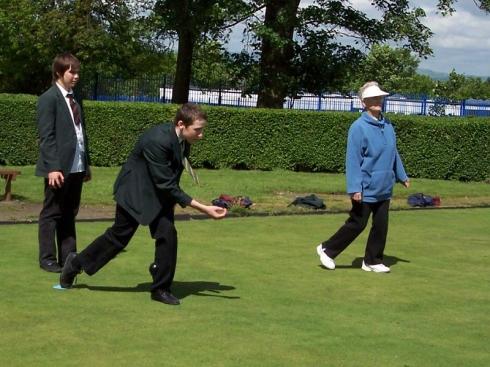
x=160 y=90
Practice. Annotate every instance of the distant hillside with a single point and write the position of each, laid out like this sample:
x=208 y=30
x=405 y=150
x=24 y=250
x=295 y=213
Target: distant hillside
x=435 y=75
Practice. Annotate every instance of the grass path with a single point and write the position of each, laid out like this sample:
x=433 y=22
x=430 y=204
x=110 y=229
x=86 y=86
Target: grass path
x=271 y=192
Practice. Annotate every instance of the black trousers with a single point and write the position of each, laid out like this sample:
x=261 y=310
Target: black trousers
x=116 y=238
x=57 y=219
x=358 y=219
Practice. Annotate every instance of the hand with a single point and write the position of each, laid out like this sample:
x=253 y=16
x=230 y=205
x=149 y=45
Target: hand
x=55 y=179
x=357 y=196
x=88 y=175
x=216 y=212
x=406 y=183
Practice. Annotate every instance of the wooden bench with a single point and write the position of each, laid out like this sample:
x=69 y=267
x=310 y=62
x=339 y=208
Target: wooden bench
x=9 y=176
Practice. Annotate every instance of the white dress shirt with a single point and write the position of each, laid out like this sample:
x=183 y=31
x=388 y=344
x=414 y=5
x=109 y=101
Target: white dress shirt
x=78 y=162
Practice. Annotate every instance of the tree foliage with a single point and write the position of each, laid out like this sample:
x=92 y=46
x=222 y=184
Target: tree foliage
x=318 y=46
x=394 y=68
x=103 y=34
x=193 y=22
x=459 y=87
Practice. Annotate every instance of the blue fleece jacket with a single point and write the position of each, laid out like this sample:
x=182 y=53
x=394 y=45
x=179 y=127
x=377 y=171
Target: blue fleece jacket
x=373 y=164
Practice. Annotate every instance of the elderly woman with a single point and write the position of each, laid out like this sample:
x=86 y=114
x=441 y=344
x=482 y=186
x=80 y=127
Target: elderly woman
x=372 y=166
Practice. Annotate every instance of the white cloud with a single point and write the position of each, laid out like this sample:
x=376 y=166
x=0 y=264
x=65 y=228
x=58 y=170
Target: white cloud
x=460 y=41
x=462 y=30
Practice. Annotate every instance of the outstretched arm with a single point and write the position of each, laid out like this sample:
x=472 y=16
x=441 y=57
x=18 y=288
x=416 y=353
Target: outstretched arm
x=215 y=212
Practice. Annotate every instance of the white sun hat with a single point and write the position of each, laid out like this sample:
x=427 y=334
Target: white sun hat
x=373 y=91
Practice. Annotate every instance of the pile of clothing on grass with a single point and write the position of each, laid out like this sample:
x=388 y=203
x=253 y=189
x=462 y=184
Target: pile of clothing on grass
x=228 y=201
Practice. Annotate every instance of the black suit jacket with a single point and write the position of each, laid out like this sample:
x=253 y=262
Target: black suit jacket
x=57 y=136
x=149 y=180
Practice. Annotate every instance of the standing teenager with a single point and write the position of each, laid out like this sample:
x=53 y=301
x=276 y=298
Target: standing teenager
x=63 y=162
x=146 y=192
x=373 y=165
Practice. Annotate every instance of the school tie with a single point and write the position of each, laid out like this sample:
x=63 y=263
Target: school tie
x=74 y=108
x=187 y=164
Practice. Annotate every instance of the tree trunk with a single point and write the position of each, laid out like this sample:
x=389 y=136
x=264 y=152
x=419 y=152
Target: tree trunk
x=180 y=92
x=277 y=52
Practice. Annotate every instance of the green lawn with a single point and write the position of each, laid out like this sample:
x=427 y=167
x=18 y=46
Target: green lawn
x=254 y=295
x=272 y=191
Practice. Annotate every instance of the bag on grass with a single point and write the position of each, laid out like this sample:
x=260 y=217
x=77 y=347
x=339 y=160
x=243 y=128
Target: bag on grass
x=309 y=201
x=227 y=201
x=420 y=200
x=221 y=203
x=246 y=202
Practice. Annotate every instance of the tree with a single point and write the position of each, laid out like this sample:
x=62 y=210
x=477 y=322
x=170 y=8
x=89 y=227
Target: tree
x=421 y=85
x=277 y=51
x=192 y=22
x=394 y=68
x=212 y=65
x=288 y=30
x=459 y=87
x=103 y=34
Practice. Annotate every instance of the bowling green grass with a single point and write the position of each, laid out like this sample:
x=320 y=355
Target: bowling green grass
x=254 y=294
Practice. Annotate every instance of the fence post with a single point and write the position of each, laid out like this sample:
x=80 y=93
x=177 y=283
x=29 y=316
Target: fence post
x=219 y=94
x=319 y=107
x=96 y=86
x=424 y=106
x=164 y=97
x=462 y=108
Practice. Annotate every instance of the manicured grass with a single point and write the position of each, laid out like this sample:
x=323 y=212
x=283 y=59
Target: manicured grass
x=271 y=191
x=254 y=295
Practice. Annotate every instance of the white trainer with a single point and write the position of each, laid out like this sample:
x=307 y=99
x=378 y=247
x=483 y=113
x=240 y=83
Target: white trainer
x=324 y=259
x=378 y=268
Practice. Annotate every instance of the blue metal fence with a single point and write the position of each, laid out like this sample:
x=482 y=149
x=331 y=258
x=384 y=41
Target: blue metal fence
x=159 y=89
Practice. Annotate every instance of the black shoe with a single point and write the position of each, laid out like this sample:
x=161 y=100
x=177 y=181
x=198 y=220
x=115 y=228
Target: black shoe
x=165 y=297
x=51 y=266
x=70 y=271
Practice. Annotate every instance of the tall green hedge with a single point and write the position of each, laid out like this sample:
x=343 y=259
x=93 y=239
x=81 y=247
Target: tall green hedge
x=431 y=147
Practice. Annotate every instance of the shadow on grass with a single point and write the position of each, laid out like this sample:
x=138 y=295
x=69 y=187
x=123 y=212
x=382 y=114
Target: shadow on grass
x=179 y=289
x=357 y=262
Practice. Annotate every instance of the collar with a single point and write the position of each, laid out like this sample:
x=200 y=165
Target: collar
x=63 y=90
x=179 y=138
x=380 y=119
x=373 y=120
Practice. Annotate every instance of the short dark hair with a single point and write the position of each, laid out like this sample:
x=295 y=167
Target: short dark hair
x=62 y=63
x=190 y=112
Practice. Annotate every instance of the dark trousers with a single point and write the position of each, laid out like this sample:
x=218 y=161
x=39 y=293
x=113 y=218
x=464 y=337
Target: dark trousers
x=116 y=238
x=358 y=218
x=57 y=219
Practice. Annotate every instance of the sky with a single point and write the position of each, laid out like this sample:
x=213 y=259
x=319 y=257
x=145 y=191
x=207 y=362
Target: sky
x=460 y=41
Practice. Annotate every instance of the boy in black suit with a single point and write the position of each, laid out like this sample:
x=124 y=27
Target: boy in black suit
x=146 y=192
x=63 y=162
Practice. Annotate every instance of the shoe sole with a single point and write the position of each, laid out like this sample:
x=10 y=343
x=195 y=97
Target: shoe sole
x=319 y=251
x=367 y=268
x=167 y=303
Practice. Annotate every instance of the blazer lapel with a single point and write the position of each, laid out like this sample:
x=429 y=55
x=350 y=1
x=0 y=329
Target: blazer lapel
x=64 y=107
x=176 y=147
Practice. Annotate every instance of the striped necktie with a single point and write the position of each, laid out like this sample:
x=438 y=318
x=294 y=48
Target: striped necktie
x=187 y=164
x=74 y=108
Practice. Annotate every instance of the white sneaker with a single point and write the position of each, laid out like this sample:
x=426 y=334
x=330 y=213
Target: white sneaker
x=324 y=259
x=378 y=268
